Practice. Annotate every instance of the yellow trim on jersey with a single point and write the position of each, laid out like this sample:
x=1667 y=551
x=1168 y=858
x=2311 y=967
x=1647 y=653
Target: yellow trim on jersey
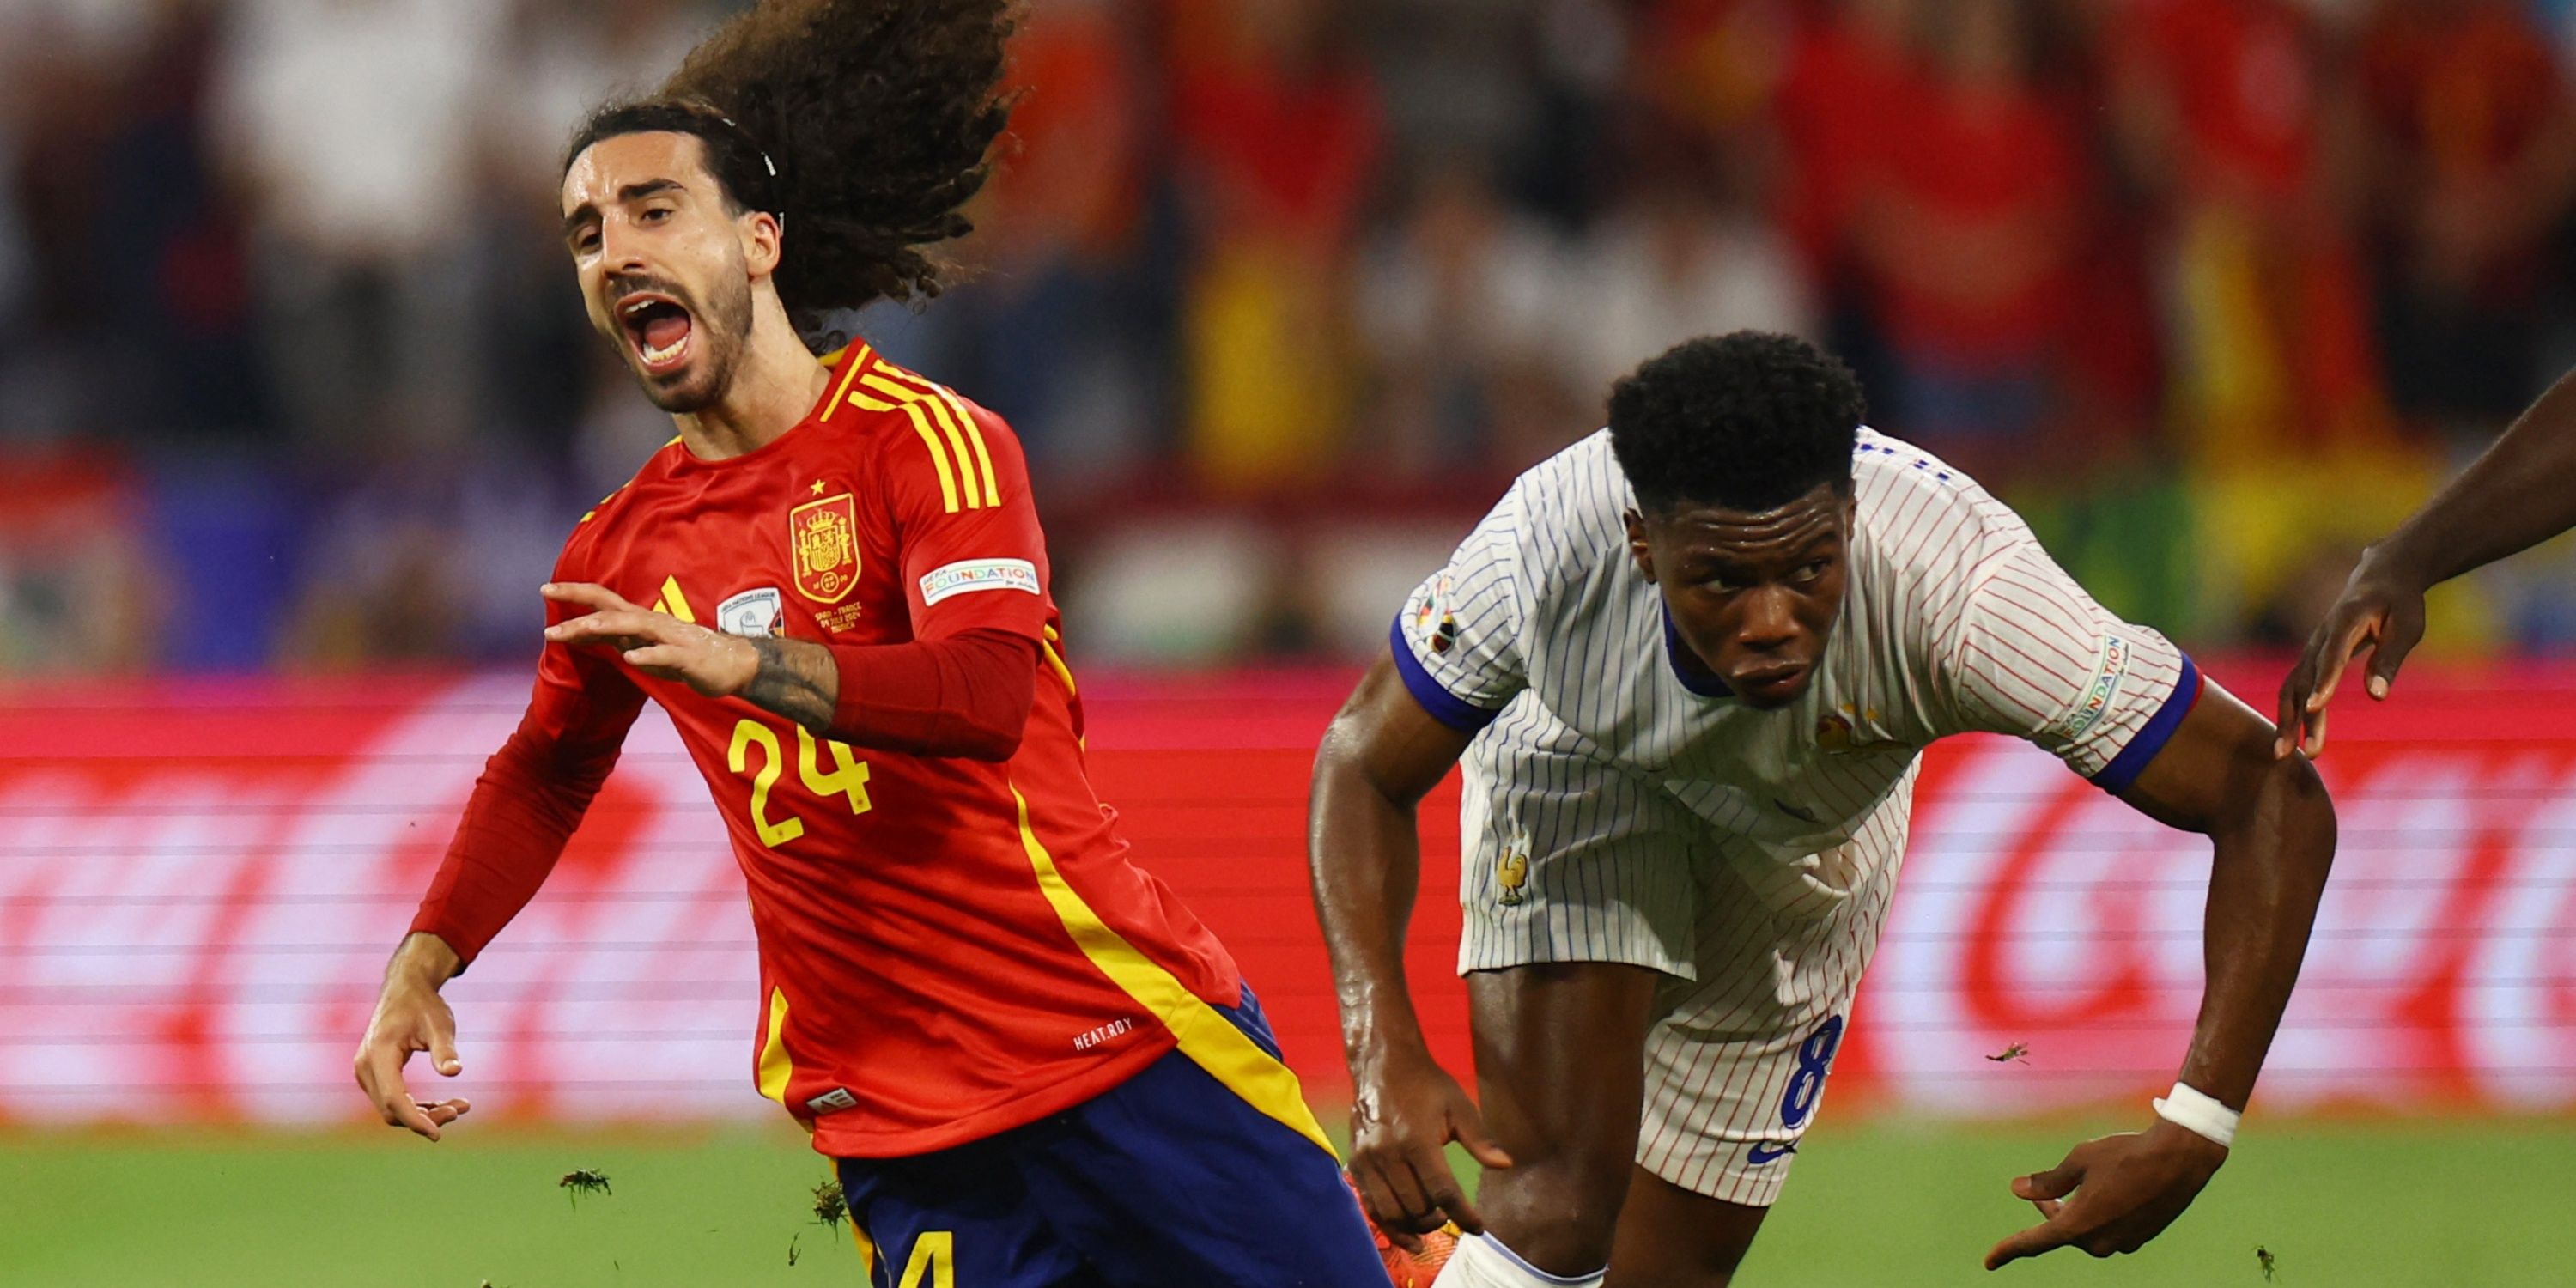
x=938 y=457
x=857 y=364
x=775 y=1065
x=1210 y=1040
x=865 y=403
x=983 y=458
x=939 y=411
x=1056 y=660
x=948 y=399
x=673 y=602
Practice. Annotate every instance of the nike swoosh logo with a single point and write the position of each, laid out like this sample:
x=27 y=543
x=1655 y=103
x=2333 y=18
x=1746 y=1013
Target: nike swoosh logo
x=1803 y=816
x=1768 y=1153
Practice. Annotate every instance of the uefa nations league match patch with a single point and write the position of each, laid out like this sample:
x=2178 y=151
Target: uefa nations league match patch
x=753 y=614
x=980 y=574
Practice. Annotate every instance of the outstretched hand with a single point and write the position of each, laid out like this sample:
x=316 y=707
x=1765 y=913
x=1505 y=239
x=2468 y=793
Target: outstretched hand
x=714 y=664
x=2125 y=1190
x=2381 y=612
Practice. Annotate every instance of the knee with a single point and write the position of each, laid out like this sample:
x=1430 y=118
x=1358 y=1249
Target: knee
x=1556 y=1214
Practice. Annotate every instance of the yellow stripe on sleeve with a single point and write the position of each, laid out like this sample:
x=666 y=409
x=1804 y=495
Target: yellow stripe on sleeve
x=955 y=416
x=1209 y=1039
x=775 y=1066
x=983 y=458
x=938 y=456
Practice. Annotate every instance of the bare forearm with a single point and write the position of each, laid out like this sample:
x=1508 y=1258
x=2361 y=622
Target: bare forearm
x=2521 y=492
x=795 y=679
x=1366 y=860
x=2268 y=873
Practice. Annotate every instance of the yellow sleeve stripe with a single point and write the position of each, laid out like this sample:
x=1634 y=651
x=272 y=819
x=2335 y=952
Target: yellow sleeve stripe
x=983 y=459
x=922 y=410
x=856 y=365
x=1056 y=660
x=938 y=457
x=953 y=406
x=1210 y=1040
x=775 y=1066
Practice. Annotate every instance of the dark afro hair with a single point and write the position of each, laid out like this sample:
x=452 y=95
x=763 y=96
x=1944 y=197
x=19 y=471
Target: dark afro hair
x=862 y=124
x=1747 y=421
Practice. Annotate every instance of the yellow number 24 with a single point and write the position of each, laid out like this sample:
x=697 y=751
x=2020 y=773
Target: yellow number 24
x=848 y=776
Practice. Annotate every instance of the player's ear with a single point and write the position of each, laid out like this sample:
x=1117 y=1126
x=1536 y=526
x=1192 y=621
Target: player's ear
x=763 y=241
x=1637 y=544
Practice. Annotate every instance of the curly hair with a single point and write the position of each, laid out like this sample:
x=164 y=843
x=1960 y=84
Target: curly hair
x=1747 y=421
x=863 y=125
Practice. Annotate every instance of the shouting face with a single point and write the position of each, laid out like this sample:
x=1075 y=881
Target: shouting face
x=1753 y=594
x=666 y=262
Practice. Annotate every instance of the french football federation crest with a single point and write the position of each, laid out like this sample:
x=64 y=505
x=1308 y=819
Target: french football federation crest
x=823 y=547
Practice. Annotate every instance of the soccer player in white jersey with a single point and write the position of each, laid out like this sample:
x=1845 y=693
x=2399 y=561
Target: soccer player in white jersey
x=1690 y=664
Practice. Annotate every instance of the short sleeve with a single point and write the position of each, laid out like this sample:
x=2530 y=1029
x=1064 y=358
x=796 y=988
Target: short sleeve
x=1457 y=644
x=967 y=531
x=2029 y=653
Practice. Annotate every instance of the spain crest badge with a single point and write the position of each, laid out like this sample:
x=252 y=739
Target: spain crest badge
x=823 y=547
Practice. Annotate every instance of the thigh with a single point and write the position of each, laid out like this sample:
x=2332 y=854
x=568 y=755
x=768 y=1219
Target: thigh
x=1563 y=859
x=1738 y=1060
x=1558 y=1050
x=1205 y=1169
x=961 y=1218
x=1672 y=1238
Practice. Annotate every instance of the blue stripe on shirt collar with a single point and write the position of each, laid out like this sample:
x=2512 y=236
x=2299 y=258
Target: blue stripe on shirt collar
x=2132 y=760
x=1675 y=651
x=1446 y=707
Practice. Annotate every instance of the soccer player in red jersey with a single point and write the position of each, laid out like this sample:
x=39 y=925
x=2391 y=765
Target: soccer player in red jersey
x=1032 y=1063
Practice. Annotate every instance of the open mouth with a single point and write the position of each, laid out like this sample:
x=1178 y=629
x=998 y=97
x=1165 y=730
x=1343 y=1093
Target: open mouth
x=659 y=329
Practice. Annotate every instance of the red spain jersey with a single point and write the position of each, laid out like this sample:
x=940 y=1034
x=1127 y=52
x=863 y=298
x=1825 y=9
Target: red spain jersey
x=949 y=948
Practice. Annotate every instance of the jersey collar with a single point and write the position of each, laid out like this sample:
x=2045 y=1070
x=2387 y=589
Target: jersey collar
x=1674 y=649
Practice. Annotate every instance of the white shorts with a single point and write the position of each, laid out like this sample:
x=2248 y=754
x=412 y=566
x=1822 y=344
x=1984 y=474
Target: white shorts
x=1571 y=863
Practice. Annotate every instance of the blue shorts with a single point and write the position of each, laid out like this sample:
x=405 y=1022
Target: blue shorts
x=1172 y=1179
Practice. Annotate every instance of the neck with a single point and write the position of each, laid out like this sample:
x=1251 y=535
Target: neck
x=777 y=383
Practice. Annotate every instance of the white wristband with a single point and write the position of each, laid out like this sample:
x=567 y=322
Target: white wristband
x=2194 y=1110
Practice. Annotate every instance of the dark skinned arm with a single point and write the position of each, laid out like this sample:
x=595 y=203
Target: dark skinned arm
x=2272 y=838
x=1382 y=754
x=2521 y=492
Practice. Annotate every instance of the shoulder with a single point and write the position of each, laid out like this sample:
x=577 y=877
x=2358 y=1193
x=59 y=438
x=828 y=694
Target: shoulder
x=1574 y=503
x=926 y=438
x=1915 y=510
x=620 y=510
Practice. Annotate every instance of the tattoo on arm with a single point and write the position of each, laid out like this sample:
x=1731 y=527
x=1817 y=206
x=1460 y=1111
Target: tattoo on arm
x=797 y=680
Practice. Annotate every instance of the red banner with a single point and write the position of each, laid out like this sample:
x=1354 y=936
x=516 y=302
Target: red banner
x=198 y=890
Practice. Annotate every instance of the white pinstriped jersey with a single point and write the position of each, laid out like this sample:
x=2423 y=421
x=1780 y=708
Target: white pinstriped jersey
x=1543 y=633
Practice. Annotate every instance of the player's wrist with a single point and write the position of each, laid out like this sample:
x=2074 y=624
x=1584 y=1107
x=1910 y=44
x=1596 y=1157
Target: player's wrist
x=2195 y=1114
x=423 y=961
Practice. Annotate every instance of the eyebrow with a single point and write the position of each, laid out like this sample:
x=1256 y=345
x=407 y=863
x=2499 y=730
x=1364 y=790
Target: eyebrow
x=586 y=211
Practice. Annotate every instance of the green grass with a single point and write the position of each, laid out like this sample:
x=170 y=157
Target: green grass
x=2474 y=1203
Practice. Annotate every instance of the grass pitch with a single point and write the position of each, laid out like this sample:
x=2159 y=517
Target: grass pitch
x=2339 y=1205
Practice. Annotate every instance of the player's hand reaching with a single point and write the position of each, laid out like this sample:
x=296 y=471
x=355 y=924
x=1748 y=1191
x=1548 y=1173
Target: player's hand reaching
x=715 y=664
x=2381 y=611
x=1402 y=1120
x=2126 y=1189
x=411 y=1016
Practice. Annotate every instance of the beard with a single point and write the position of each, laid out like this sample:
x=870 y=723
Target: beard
x=720 y=332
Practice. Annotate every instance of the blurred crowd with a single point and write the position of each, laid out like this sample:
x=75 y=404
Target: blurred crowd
x=1279 y=292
